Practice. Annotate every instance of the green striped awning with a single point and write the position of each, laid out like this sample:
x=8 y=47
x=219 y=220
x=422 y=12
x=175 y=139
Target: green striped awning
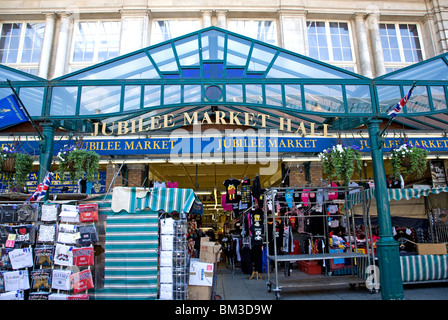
x=131 y=255
x=394 y=194
x=424 y=267
x=167 y=199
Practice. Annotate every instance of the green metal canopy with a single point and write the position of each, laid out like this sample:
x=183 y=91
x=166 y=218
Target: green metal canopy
x=229 y=72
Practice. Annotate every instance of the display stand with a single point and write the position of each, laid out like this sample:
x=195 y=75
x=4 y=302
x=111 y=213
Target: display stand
x=274 y=198
x=50 y=247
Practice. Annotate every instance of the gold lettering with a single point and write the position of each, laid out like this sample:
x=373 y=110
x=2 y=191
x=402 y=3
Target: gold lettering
x=248 y=117
x=147 y=145
x=206 y=118
x=103 y=130
x=122 y=127
x=234 y=118
x=155 y=122
x=95 y=129
x=263 y=119
x=220 y=115
x=194 y=118
x=129 y=146
x=168 y=120
x=282 y=124
x=312 y=128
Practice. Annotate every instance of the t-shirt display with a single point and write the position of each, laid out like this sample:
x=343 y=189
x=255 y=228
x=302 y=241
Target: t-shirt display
x=231 y=190
x=42 y=245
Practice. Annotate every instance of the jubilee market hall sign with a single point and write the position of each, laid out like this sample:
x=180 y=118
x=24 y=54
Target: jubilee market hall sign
x=287 y=138
x=299 y=139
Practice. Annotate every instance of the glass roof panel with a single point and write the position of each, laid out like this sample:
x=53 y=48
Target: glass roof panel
x=7 y=73
x=188 y=51
x=164 y=58
x=289 y=66
x=237 y=51
x=260 y=58
x=432 y=70
x=137 y=66
x=213 y=45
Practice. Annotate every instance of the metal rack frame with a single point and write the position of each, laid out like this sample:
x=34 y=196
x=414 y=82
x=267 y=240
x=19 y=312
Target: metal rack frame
x=285 y=282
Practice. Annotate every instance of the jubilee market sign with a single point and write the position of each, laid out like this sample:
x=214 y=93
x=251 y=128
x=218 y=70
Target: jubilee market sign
x=298 y=138
x=254 y=138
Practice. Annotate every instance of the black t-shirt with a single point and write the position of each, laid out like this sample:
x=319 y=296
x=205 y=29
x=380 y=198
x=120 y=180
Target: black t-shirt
x=231 y=190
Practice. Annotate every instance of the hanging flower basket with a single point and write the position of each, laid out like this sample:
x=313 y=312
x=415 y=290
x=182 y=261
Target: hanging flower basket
x=15 y=164
x=79 y=163
x=9 y=164
x=340 y=162
x=408 y=160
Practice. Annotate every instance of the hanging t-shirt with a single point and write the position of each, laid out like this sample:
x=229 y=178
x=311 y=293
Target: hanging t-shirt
x=333 y=194
x=231 y=190
x=289 y=194
x=246 y=196
x=21 y=258
x=82 y=281
x=305 y=196
x=61 y=279
x=83 y=256
x=225 y=206
x=63 y=255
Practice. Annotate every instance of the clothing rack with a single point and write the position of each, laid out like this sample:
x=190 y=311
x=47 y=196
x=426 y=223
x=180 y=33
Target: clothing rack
x=275 y=283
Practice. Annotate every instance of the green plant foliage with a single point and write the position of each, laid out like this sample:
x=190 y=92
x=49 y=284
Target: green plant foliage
x=408 y=160
x=340 y=162
x=79 y=163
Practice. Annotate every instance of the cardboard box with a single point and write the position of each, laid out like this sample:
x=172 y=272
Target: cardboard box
x=209 y=251
x=201 y=273
x=431 y=248
x=199 y=293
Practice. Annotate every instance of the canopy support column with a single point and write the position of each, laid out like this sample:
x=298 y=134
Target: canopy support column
x=46 y=151
x=387 y=247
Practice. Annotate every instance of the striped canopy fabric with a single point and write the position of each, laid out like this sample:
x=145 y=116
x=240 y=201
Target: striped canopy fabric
x=135 y=199
x=131 y=254
x=394 y=194
x=424 y=267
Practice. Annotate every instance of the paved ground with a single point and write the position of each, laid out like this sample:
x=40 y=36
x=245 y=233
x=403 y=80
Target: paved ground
x=237 y=286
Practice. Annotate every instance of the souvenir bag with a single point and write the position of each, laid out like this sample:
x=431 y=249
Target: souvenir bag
x=83 y=256
x=49 y=212
x=38 y=296
x=8 y=213
x=47 y=233
x=84 y=296
x=61 y=279
x=43 y=255
x=24 y=233
x=58 y=296
x=28 y=212
x=16 y=280
x=5 y=263
x=41 y=279
x=82 y=281
x=88 y=235
x=63 y=255
x=21 y=258
x=88 y=212
x=67 y=233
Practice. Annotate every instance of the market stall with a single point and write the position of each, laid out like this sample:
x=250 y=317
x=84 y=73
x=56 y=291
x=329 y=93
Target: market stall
x=420 y=227
x=131 y=265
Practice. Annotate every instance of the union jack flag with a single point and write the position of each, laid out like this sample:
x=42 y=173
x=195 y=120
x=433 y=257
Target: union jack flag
x=400 y=105
x=42 y=188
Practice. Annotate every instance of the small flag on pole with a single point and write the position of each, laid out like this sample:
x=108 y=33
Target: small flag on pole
x=42 y=188
x=400 y=105
x=10 y=112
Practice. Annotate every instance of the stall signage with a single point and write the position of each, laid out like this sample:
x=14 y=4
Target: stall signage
x=198 y=143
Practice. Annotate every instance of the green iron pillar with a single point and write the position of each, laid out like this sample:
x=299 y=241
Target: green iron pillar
x=46 y=151
x=387 y=247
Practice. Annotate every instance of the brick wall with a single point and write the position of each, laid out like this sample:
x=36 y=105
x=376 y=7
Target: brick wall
x=297 y=178
x=136 y=175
